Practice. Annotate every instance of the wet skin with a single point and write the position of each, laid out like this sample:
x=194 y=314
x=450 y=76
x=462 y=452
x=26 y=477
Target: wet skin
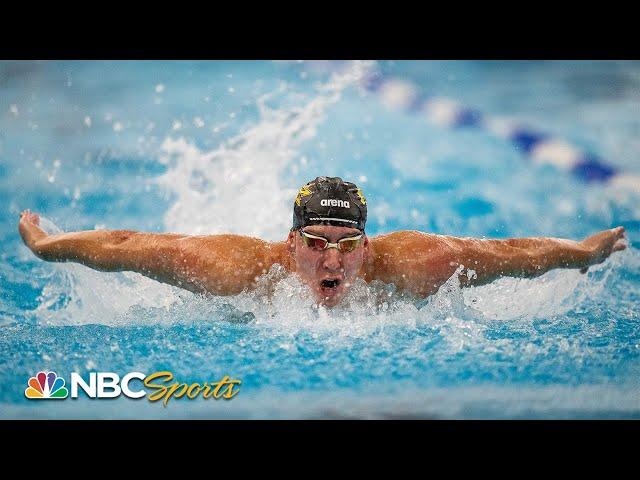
x=228 y=264
x=329 y=273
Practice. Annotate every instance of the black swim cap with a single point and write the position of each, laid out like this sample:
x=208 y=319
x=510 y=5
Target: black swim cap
x=330 y=201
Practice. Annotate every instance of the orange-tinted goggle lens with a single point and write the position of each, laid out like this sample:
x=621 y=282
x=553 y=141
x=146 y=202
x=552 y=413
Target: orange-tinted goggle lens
x=348 y=245
x=315 y=243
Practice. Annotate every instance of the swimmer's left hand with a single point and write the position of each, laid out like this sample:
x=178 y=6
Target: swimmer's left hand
x=603 y=244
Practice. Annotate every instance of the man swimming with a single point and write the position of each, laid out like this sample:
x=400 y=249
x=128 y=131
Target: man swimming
x=327 y=247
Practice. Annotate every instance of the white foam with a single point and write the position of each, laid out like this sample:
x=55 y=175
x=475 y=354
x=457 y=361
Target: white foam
x=76 y=294
x=238 y=187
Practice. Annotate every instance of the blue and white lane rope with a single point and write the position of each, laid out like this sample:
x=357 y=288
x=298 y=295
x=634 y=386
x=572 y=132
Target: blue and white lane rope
x=541 y=148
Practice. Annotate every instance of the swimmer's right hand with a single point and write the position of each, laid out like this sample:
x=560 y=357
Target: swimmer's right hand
x=30 y=231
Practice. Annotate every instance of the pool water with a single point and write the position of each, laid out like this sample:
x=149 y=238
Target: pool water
x=212 y=147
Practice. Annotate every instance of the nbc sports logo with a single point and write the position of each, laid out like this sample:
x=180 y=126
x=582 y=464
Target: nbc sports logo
x=46 y=385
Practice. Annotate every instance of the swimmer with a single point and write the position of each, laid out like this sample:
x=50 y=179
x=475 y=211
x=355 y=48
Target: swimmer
x=327 y=247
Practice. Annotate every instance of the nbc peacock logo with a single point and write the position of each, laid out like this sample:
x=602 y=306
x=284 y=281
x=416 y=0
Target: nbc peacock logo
x=46 y=385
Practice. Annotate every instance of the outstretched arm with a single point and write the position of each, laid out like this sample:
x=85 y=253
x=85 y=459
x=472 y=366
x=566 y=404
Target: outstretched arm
x=531 y=257
x=218 y=264
x=422 y=262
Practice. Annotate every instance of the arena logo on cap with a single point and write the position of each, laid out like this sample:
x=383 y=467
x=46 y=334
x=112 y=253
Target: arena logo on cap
x=46 y=385
x=330 y=202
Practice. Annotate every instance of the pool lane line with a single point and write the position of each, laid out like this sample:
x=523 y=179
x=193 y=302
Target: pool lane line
x=539 y=147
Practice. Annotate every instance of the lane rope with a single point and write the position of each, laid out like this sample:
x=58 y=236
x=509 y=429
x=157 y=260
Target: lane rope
x=539 y=147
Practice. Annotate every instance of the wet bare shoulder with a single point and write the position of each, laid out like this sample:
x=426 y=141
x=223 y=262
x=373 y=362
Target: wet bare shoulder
x=396 y=242
x=237 y=260
x=417 y=261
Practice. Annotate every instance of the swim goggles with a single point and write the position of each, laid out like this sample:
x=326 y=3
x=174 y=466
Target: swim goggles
x=344 y=245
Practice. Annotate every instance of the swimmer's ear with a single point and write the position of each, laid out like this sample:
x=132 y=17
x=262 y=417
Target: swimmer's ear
x=291 y=241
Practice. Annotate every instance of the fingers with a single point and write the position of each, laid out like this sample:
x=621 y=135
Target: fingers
x=613 y=240
x=604 y=243
x=29 y=216
x=29 y=228
x=619 y=245
x=619 y=232
x=619 y=242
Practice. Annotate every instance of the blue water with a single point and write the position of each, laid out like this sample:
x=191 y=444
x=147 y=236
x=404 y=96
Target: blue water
x=211 y=147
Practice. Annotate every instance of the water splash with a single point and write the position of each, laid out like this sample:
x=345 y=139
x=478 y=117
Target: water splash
x=238 y=187
x=283 y=307
x=248 y=172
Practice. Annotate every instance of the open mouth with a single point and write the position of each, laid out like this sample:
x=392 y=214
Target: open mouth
x=330 y=283
x=329 y=287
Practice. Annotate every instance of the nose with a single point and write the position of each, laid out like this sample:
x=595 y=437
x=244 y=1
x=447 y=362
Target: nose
x=332 y=260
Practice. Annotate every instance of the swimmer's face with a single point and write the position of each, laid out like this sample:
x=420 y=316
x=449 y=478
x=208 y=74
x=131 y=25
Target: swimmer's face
x=329 y=273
